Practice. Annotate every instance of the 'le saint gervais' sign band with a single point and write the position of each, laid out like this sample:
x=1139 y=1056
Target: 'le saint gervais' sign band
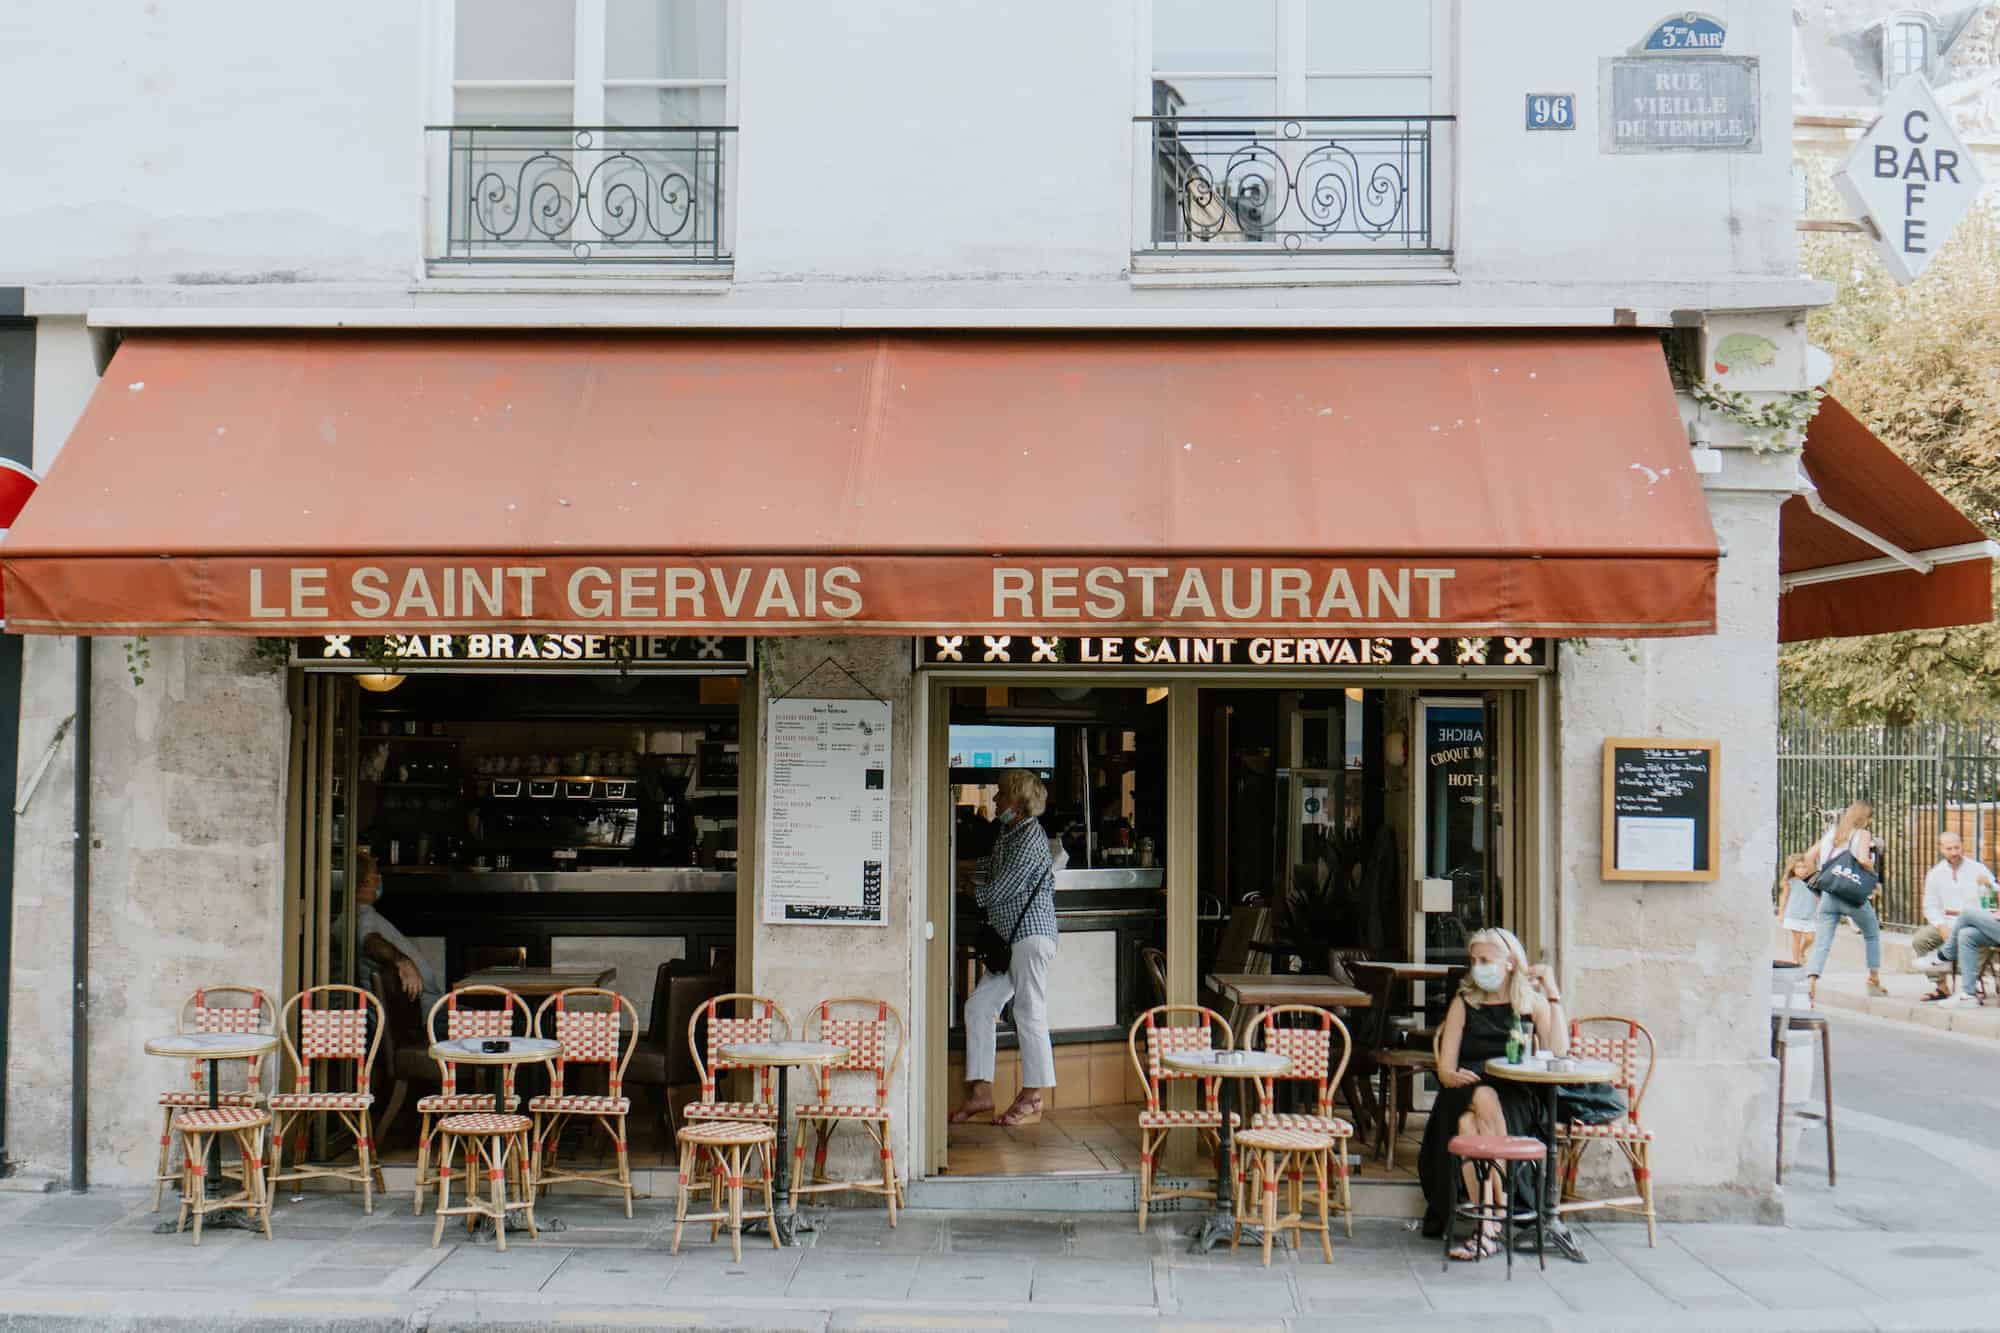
x=1440 y=653
x=913 y=593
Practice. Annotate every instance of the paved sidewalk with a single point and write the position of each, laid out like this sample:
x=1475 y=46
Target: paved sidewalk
x=92 y=1262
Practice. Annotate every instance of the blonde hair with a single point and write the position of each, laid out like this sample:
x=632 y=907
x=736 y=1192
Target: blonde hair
x=1025 y=790
x=1851 y=819
x=1519 y=995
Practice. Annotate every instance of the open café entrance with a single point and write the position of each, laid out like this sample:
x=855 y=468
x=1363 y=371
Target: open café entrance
x=1216 y=823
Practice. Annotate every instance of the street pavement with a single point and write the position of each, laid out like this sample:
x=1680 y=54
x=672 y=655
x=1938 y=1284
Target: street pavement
x=1903 y=1243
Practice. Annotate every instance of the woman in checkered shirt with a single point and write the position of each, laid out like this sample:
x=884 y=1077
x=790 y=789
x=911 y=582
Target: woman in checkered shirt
x=1015 y=887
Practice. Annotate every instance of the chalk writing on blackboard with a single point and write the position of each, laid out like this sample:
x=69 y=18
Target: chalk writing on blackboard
x=1660 y=812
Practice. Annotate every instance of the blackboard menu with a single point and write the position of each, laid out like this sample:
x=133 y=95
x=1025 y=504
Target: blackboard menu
x=1661 y=808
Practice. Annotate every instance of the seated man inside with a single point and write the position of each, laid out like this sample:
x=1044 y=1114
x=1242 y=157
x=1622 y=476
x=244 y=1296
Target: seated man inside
x=1953 y=885
x=386 y=951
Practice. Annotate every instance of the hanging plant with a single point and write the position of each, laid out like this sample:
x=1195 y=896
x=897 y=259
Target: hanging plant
x=138 y=658
x=1775 y=425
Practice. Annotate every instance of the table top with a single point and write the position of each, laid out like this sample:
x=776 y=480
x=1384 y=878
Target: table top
x=1242 y=1064
x=1531 y=1070
x=758 y=1054
x=543 y=980
x=214 y=1045
x=520 y=1051
x=1405 y=971
x=1261 y=991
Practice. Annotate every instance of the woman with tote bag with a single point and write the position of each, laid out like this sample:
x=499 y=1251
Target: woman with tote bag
x=1845 y=878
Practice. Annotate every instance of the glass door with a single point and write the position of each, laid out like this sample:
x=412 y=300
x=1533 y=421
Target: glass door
x=1458 y=891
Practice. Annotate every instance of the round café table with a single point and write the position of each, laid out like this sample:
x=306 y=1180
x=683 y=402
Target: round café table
x=215 y=1047
x=520 y=1051
x=783 y=1055
x=1229 y=1067
x=1535 y=1072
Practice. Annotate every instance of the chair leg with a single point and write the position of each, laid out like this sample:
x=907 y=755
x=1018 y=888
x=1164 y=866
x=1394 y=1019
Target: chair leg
x=617 y=1127
x=275 y=1169
x=736 y=1156
x=770 y=1199
x=1325 y=1222
x=685 y=1174
x=1826 y=1078
x=1271 y=1171
x=1506 y=1176
x=196 y=1147
x=444 y=1186
x=1236 y=1232
x=1145 y=1176
x=423 y=1162
x=1391 y=1094
x=889 y=1173
x=496 y=1193
x=166 y=1152
x=1642 y=1171
x=371 y=1174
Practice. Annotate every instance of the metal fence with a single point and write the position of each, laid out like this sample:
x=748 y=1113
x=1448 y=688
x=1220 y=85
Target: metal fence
x=1921 y=779
x=1328 y=184
x=579 y=194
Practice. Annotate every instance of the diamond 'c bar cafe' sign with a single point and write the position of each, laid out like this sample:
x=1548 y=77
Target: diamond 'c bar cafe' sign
x=1442 y=653
x=1910 y=179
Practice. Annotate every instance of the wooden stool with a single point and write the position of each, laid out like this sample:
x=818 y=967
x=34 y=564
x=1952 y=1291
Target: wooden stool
x=728 y=1145
x=495 y=1146
x=1485 y=1152
x=247 y=1125
x=1268 y=1154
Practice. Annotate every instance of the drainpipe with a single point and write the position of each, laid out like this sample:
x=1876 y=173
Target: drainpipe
x=79 y=1039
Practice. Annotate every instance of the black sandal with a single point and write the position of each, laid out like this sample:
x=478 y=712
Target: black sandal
x=1482 y=1246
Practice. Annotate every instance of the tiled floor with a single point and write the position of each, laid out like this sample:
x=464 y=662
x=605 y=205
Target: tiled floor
x=1102 y=1138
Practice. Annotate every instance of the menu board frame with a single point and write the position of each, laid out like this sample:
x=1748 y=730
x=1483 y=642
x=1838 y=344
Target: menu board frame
x=1611 y=868
x=811 y=767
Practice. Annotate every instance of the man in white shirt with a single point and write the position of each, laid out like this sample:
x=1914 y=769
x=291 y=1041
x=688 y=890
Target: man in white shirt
x=1951 y=888
x=387 y=950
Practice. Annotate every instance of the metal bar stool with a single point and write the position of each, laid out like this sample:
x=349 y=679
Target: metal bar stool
x=1785 y=1020
x=246 y=1124
x=1488 y=1153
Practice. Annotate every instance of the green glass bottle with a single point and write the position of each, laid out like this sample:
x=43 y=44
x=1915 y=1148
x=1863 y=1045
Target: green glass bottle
x=1514 y=1042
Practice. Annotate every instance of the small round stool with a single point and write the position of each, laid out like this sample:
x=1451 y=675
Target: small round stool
x=1268 y=1155
x=729 y=1146
x=1487 y=1152
x=247 y=1125
x=496 y=1147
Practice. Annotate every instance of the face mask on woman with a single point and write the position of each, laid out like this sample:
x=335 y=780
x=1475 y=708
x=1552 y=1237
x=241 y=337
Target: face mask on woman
x=1488 y=976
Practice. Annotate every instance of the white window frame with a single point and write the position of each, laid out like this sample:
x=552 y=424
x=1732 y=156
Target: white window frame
x=1892 y=40
x=1292 y=85
x=588 y=85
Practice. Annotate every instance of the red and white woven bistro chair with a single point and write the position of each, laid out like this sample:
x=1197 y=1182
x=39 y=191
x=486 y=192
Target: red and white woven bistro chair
x=328 y=1038
x=213 y=1009
x=595 y=1027
x=872 y=1031
x=1627 y=1045
x=732 y=1020
x=511 y=1017
x=1208 y=1030
x=1308 y=1043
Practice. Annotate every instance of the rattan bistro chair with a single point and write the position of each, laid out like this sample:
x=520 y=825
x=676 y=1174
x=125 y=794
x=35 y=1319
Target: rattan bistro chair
x=1626 y=1044
x=461 y=1022
x=1208 y=1031
x=758 y=1018
x=602 y=1031
x=329 y=1037
x=213 y=1009
x=873 y=1037
x=246 y=1124
x=1308 y=1044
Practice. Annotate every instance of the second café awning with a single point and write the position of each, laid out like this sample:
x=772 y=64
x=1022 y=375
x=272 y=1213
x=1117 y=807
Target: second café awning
x=843 y=483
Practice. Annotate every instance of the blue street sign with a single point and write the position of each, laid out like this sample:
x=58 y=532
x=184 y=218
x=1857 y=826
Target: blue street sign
x=1551 y=111
x=1686 y=32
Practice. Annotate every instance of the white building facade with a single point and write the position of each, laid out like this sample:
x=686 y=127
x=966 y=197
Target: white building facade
x=559 y=173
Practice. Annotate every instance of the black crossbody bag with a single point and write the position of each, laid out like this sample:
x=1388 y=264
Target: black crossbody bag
x=997 y=954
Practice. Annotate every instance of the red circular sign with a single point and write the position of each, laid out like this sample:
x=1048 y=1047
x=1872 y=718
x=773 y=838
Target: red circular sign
x=17 y=484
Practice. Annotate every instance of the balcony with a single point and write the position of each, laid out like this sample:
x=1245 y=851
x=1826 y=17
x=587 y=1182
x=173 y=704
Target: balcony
x=1319 y=185
x=570 y=196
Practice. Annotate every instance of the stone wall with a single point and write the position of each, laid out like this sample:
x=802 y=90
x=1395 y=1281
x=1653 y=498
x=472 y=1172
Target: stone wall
x=803 y=964
x=1690 y=960
x=187 y=871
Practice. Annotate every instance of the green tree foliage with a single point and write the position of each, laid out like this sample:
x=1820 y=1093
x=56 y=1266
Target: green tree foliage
x=1921 y=366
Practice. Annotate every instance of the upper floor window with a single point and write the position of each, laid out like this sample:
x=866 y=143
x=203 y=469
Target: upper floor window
x=1300 y=124
x=1909 y=49
x=587 y=130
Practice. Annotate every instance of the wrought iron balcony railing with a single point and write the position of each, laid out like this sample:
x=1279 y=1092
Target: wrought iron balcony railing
x=582 y=194
x=1362 y=185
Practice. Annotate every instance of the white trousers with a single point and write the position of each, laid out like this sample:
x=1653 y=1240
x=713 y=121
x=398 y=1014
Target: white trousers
x=1027 y=985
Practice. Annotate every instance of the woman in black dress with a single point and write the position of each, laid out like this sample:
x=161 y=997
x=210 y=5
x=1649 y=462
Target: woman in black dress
x=1500 y=993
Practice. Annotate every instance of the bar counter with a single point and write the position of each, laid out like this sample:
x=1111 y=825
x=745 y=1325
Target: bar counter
x=425 y=879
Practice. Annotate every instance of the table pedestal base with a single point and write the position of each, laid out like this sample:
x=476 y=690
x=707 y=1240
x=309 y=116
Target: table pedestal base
x=228 y=1219
x=790 y=1227
x=1219 y=1228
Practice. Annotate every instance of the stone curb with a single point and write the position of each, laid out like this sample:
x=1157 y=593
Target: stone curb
x=1981 y=1022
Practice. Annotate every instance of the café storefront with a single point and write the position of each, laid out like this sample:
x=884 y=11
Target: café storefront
x=1309 y=610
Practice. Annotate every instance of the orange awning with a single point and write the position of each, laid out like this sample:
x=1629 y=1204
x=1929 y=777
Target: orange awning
x=781 y=483
x=1868 y=547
